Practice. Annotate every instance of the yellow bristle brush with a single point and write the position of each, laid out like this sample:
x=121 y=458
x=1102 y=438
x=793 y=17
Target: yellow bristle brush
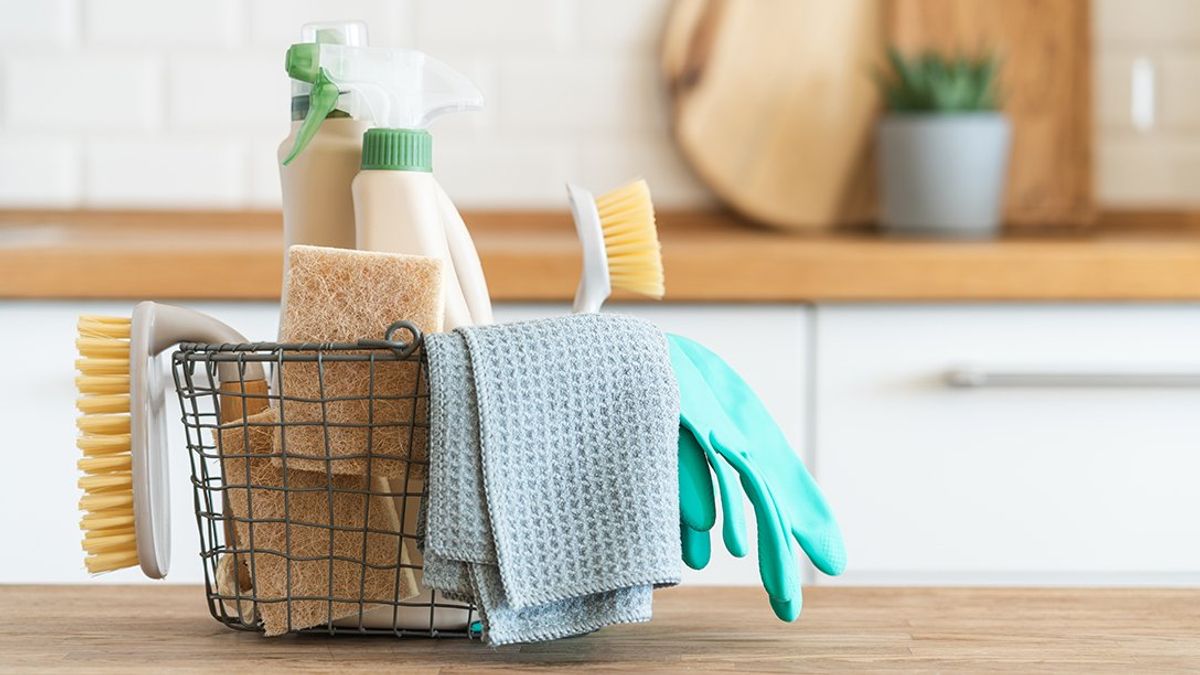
x=123 y=429
x=620 y=244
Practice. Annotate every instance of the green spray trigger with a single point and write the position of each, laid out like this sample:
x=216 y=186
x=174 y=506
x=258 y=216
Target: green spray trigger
x=322 y=99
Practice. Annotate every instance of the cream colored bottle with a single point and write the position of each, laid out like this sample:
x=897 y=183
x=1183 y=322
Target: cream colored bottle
x=397 y=208
x=318 y=209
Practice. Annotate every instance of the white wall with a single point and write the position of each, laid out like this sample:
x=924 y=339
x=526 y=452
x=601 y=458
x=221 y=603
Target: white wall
x=180 y=104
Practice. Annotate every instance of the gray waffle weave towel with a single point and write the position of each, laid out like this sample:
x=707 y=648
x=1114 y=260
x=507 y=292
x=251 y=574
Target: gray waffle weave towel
x=553 y=500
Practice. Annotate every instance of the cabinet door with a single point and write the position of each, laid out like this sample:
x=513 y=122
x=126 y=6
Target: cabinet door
x=39 y=502
x=768 y=345
x=1082 y=470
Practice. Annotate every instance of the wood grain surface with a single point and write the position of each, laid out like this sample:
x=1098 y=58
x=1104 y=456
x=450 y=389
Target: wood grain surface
x=158 y=628
x=773 y=104
x=1045 y=84
x=708 y=257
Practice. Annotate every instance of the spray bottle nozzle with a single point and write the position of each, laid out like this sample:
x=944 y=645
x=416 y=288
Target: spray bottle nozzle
x=301 y=64
x=302 y=61
x=393 y=88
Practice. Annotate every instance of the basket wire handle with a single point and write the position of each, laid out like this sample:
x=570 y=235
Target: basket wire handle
x=390 y=341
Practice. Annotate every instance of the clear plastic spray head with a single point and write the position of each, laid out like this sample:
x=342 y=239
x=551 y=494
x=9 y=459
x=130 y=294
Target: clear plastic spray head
x=392 y=88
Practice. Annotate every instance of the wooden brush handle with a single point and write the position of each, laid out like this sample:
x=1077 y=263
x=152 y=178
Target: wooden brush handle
x=235 y=405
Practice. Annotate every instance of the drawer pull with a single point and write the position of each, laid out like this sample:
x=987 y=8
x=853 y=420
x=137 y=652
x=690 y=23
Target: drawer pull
x=968 y=377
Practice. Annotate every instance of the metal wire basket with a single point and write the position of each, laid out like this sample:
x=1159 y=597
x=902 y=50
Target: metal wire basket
x=259 y=508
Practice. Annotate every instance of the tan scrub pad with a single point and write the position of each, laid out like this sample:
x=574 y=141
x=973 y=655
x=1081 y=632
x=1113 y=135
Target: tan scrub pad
x=299 y=544
x=234 y=583
x=339 y=295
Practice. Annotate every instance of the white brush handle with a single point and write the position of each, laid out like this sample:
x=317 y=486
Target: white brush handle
x=155 y=328
x=594 y=284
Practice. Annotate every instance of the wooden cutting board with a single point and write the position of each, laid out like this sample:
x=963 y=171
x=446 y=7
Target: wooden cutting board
x=1045 y=81
x=774 y=106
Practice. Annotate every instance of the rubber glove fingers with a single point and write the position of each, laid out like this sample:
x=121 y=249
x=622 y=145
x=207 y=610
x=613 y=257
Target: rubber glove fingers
x=697 y=549
x=733 y=517
x=824 y=547
x=697 y=504
x=799 y=497
x=776 y=560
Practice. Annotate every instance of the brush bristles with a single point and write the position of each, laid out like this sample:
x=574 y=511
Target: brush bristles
x=631 y=239
x=109 y=539
x=103 y=403
x=102 y=384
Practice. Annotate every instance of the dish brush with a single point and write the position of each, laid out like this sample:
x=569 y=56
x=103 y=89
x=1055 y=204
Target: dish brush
x=620 y=244
x=122 y=386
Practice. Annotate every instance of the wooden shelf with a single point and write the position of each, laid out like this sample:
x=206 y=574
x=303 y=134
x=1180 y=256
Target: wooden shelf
x=535 y=256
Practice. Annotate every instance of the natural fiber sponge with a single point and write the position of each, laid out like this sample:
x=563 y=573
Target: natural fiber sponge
x=234 y=583
x=337 y=295
x=307 y=524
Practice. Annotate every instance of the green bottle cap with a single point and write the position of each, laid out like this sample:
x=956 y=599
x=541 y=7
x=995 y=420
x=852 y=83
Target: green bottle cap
x=397 y=150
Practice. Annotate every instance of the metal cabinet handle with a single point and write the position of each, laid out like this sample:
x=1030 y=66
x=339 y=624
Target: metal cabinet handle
x=971 y=377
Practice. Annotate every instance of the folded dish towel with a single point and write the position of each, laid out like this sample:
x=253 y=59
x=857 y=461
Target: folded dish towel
x=553 y=488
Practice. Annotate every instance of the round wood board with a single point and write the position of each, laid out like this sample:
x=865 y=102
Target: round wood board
x=774 y=104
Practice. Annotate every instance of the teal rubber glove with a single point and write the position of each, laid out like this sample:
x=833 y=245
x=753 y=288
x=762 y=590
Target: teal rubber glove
x=702 y=419
x=800 y=499
x=696 y=494
x=696 y=503
x=697 y=512
x=721 y=415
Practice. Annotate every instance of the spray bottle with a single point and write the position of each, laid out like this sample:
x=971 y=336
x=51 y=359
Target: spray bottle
x=398 y=205
x=317 y=206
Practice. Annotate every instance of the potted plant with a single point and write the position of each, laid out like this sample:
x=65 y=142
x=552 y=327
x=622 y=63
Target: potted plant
x=943 y=146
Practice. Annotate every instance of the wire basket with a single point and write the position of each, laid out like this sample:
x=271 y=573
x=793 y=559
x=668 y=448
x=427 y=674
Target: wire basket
x=291 y=517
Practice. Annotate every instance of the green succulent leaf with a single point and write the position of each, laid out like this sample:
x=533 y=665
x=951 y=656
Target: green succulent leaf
x=932 y=82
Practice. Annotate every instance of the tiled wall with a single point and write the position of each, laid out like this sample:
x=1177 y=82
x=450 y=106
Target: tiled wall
x=1159 y=166
x=181 y=103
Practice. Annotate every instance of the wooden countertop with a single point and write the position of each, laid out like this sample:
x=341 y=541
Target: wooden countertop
x=535 y=256
x=155 y=628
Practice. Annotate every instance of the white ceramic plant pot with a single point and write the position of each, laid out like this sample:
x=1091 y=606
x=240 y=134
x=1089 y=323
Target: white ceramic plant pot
x=943 y=175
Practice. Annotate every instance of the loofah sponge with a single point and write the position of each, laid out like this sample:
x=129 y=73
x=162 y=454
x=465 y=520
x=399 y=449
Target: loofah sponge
x=339 y=295
x=289 y=534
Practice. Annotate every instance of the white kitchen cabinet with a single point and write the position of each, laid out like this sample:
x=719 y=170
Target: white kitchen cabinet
x=767 y=343
x=1067 y=483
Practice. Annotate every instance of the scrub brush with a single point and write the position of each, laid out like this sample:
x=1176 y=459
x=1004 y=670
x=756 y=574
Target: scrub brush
x=620 y=244
x=122 y=385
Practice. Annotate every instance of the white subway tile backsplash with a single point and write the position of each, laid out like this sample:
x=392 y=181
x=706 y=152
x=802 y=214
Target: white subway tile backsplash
x=223 y=91
x=606 y=163
x=1149 y=22
x=164 y=173
x=504 y=174
x=136 y=23
x=44 y=22
x=181 y=104
x=83 y=92
x=482 y=25
x=1112 y=76
x=38 y=173
x=276 y=23
x=1179 y=91
x=582 y=95
x=622 y=24
x=264 y=171
x=1148 y=172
